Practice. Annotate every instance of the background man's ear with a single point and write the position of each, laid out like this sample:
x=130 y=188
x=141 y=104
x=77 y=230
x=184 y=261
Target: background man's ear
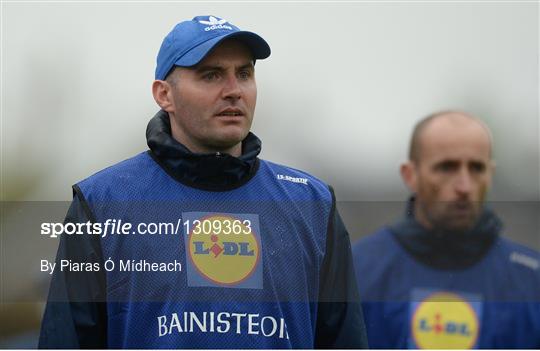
x=409 y=175
x=162 y=92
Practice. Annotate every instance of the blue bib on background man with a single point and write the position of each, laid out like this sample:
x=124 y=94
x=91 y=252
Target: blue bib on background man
x=494 y=303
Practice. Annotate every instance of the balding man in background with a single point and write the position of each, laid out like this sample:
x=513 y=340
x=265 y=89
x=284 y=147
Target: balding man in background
x=444 y=277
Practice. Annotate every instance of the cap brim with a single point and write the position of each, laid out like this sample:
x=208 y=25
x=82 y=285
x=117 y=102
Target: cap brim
x=258 y=46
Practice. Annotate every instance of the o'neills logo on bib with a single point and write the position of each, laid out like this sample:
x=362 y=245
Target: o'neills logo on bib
x=223 y=250
x=444 y=320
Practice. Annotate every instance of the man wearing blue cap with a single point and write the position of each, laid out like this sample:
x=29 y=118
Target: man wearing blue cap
x=257 y=255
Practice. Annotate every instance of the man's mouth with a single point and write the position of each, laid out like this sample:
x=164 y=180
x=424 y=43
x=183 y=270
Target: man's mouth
x=230 y=113
x=462 y=208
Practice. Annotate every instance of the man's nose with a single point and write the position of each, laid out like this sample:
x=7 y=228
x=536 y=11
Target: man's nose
x=464 y=182
x=232 y=89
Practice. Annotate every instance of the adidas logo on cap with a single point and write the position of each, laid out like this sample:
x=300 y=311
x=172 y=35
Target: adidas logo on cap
x=215 y=23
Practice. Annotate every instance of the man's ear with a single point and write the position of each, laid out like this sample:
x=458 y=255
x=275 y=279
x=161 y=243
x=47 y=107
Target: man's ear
x=162 y=92
x=409 y=175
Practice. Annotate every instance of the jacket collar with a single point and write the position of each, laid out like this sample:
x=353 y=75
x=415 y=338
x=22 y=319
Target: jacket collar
x=447 y=250
x=212 y=171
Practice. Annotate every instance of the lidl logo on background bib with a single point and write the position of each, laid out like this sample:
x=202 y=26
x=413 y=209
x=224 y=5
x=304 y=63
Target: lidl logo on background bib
x=444 y=320
x=223 y=250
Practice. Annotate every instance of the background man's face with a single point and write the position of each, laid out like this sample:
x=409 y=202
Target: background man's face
x=214 y=102
x=453 y=173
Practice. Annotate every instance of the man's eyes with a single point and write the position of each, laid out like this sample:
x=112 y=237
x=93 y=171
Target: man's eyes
x=210 y=76
x=215 y=75
x=477 y=167
x=245 y=74
x=474 y=167
x=446 y=166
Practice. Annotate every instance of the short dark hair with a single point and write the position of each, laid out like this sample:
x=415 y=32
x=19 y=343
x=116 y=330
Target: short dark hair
x=171 y=78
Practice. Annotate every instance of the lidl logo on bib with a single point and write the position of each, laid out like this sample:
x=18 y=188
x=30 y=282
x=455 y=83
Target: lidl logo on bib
x=223 y=250
x=444 y=320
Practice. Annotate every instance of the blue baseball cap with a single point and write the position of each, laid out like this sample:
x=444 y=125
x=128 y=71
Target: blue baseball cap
x=190 y=41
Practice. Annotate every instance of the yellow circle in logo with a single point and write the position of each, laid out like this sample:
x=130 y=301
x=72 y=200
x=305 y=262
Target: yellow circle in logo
x=444 y=321
x=224 y=249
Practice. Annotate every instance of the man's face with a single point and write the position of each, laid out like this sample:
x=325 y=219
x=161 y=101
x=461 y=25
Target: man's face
x=213 y=103
x=452 y=174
